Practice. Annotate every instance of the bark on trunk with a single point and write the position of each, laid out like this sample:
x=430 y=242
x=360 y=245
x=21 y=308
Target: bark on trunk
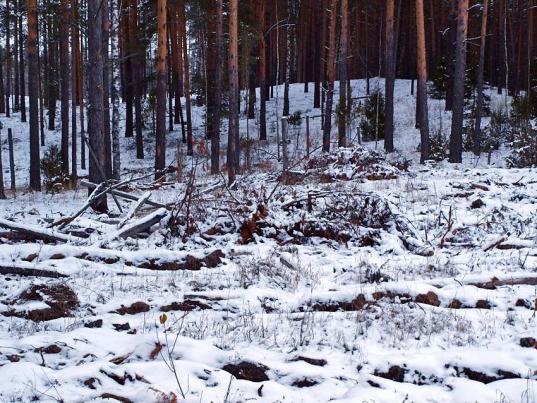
x=422 y=82
x=95 y=95
x=22 y=80
x=64 y=71
x=106 y=88
x=35 y=173
x=481 y=68
x=8 y=60
x=331 y=75
x=115 y=92
x=160 y=146
x=390 y=76
x=186 y=67
x=215 y=140
x=233 y=91
x=455 y=143
x=262 y=71
x=344 y=49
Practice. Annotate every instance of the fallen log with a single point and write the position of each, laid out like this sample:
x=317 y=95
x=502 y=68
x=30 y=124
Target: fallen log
x=145 y=197
x=124 y=195
x=155 y=259
x=142 y=224
x=494 y=282
x=37 y=232
x=29 y=272
x=137 y=226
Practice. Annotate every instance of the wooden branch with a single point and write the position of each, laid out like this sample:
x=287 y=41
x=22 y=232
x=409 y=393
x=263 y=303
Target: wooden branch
x=94 y=196
x=38 y=232
x=144 y=198
x=124 y=195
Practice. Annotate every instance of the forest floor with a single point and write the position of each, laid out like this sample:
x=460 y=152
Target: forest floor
x=359 y=278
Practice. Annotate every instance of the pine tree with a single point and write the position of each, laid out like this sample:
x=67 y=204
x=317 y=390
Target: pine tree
x=160 y=146
x=390 y=76
x=331 y=75
x=233 y=135
x=422 y=82
x=33 y=92
x=95 y=98
x=455 y=143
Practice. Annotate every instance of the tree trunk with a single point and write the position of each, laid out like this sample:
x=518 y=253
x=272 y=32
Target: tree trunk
x=95 y=96
x=331 y=75
x=33 y=92
x=8 y=60
x=186 y=66
x=81 y=103
x=455 y=143
x=52 y=75
x=422 y=82
x=126 y=47
x=115 y=92
x=106 y=88
x=160 y=146
x=136 y=76
x=2 y=96
x=16 y=85
x=233 y=91
x=481 y=68
x=450 y=58
x=215 y=140
x=64 y=72
x=343 y=76
x=390 y=76
x=22 y=80
x=210 y=69
x=74 y=88
x=262 y=70
x=316 y=56
x=290 y=44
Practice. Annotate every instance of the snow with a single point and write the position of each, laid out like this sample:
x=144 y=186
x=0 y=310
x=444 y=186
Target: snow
x=260 y=296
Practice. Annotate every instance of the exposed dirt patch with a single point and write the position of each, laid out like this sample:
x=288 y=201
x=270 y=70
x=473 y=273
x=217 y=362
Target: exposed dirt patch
x=155 y=352
x=483 y=304
x=319 y=362
x=52 y=349
x=192 y=263
x=248 y=371
x=94 y=324
x=485 y=378
x=61 y=300
x=305 y=383
x=395 y=373
x=133 y=309
x=429 y=299
x=112 y=396
x=356 y=304
x=121 y=326
x=91 y=383
x=528 y=342
x=187 y=306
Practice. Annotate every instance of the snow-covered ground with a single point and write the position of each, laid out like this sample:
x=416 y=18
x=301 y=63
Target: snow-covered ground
x=364 y=280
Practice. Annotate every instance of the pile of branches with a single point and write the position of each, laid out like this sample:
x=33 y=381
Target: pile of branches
x=355 y=164
x=362 y=219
